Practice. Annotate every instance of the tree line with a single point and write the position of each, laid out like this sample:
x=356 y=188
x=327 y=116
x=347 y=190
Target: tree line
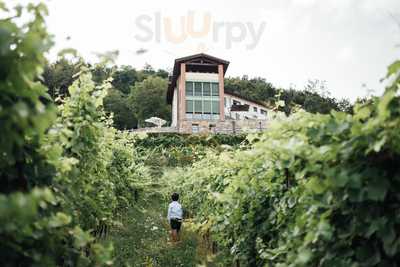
x=138 y=94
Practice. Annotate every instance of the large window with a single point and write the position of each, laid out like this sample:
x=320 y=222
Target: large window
x=202 y=100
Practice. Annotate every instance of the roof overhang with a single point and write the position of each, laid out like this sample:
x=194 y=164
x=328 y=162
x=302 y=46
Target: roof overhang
x=246 y=98
x=240 y=107
x=195 y=63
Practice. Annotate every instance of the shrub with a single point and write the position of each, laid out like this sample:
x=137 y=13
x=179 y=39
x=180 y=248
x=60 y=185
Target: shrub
x=315 y=190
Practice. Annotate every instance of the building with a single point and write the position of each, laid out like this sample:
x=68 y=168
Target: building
x=199 y=101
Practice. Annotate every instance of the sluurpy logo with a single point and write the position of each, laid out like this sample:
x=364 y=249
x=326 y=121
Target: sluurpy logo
x=158 y=28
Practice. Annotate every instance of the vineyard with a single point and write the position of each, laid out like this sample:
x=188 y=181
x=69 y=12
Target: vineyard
x=312 y=190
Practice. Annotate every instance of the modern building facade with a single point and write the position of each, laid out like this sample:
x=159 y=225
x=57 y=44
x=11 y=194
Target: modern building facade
x=200 y=103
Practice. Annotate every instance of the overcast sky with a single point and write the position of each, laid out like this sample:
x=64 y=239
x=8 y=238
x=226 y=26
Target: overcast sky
x=348 y=43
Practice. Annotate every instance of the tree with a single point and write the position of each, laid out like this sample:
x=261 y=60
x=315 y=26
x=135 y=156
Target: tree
x=118 y=104
x=314 y=98
x=148 y=99
x=59 y=76
x=345 y=105
x=162 y=73
x=255 y=89
x=100 y=72
x=124 y=78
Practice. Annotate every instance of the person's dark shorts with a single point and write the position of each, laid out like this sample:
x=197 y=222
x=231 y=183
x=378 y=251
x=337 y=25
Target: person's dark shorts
x=176 y=224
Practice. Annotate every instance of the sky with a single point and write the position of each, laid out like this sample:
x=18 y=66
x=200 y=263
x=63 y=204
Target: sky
x=347 y=43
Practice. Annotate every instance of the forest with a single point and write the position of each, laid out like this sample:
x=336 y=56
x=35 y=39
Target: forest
x=318 y=188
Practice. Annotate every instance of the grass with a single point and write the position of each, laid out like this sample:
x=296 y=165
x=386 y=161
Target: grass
x=142 y=239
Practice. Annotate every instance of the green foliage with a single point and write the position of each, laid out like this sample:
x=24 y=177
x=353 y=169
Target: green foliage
x=119 y=105
x=124 y=78
x=100 y=177
x=142 y=238
x=82 y=135
x=314 y=98
x=58 y=76
x=172 y=150
x=255 y=89
x=25 y=111
x=129 y=174
x=315 y=190
x=88 y=166
x=148 y=99
x=34 y=231
x=129 y=91
x=33 y=235
x=168 y=140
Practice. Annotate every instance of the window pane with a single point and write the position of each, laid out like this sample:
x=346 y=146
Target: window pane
x=207 y=106
x=189 y=88
x=215 y=107
x=215 y=117
x=206 y=89
x=189 y=106
x=197 y=89
x=198 y=106
x=215 y=89
x=195 y=128
x=206 y=116
x=197 y=116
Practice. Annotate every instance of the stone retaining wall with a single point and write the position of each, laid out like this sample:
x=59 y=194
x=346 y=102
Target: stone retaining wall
x=225 y=127
x=156 y=130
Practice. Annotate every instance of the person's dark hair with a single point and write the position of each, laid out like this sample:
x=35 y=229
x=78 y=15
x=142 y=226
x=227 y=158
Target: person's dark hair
x=175 y=197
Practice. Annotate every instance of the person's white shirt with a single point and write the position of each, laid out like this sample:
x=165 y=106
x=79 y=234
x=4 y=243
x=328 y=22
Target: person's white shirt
x=174 y=211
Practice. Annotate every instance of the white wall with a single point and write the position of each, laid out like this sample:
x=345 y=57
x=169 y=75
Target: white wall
x=241 y=115
x=213 y=77
x=201 y=77
x=174 y=122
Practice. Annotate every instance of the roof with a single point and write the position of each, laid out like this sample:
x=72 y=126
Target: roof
x=246 y=98
x=196 y=63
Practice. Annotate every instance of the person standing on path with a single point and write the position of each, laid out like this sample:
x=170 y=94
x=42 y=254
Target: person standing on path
x=175 y=215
